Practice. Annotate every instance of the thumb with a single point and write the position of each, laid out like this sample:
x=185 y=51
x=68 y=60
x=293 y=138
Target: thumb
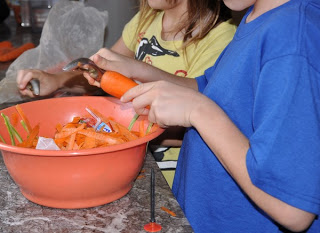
x=100 y=61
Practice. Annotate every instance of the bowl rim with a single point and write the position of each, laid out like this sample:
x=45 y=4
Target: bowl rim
x=83 y=152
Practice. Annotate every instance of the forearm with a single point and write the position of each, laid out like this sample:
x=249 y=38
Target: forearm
x=68 y=78
x=231 y=146
x=170 y=137
x=144 y=72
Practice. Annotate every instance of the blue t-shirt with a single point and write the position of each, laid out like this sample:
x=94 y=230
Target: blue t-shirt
x=268 y=82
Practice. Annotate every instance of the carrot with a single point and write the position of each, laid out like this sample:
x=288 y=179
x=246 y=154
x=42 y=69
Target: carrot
x=141 y=129
x=24 y=118
x=168 y=211
x=124 y=131
x=11 y=55
x=116 y=126
x=75 y=120
x=140 y=177
x=68 y=131
x=71 y=141
x=116 y=84
x=14 y=119
x=29 y=142
x=104 y=137
x=80 y=139
x=59 y=127
x=89 y=142
x=5 y=44
x=5 y=50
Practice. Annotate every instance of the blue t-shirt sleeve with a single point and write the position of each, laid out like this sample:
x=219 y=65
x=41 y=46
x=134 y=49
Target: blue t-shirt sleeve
x=202 y=83
x=284 y=155
x=203 y=80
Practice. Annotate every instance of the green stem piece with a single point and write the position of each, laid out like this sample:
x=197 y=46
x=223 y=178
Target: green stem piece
x=134 y=119
x=24 y=126
x=8 y=125
x=149 y=127
x=2 y=139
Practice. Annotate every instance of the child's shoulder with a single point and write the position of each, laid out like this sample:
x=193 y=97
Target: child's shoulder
x=292 y=29
x=218 y=37
x=227 y=28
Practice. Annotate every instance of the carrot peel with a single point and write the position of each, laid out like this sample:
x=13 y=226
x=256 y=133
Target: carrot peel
x=173 y=214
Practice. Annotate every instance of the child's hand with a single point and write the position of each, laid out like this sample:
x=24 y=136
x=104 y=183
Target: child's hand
x=48 y=82
x=170 y=104
x=109 y=60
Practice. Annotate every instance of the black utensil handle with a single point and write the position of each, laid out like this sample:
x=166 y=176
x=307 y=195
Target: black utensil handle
x=152 y=195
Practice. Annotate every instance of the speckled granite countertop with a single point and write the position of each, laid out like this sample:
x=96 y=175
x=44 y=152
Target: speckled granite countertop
x=127 y=214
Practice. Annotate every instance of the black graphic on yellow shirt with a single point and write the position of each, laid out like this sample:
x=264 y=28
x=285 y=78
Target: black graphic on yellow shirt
x=152 y=47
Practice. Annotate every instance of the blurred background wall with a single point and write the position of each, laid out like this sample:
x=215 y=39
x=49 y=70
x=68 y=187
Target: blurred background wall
x=120 y=12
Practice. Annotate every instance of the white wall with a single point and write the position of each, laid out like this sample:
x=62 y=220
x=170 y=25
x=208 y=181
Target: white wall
x=120 y=12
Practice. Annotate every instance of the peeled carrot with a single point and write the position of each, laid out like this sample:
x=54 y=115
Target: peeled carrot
x=13 y=54
x=116 y=84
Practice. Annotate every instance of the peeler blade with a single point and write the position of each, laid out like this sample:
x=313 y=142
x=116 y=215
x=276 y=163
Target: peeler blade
x=86 y=65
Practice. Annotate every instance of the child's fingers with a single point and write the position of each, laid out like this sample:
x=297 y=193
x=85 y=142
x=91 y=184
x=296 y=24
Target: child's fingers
x=137 y=91
x=91 y=80
x=27 y=92
x=141 y=96
x=23 y=78
x=100 y=61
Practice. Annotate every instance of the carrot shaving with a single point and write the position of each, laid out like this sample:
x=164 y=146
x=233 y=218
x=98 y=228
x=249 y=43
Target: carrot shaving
x=89 y=142
x=71 y=141
x=29 y=142
x=68 y=131
x=140 y=177
x=14 y=119
x=168 y=211
x=24 y=118
x=141 y=129
x=104 y=137
x=77 y=134
x=59 y=127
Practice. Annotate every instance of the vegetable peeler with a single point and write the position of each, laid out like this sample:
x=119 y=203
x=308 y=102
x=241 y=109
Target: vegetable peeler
x=85 y=64
x=34 y=86
x=111 y=82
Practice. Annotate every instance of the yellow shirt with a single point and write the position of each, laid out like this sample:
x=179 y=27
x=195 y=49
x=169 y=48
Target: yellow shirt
x=169 y=56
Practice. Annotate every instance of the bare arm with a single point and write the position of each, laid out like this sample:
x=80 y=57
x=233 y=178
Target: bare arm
x=230 y=147
x=140 y=71
x=172 y=105
x=121 y=48
x=70 y=81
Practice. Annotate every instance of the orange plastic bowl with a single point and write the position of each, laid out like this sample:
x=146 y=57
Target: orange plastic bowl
x=74 y=179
